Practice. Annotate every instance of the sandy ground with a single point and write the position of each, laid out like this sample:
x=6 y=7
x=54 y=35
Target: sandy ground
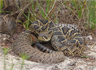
x=70 y=63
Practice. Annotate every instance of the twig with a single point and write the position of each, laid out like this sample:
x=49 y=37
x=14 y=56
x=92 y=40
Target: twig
x=92 y=46
x=33 y=38
x=51 y=9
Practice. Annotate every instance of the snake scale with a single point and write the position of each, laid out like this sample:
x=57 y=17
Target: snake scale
x=64 y=40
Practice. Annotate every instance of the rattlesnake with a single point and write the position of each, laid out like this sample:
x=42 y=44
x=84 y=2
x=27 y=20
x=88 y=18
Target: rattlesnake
x=64 y=40
x=23 y=45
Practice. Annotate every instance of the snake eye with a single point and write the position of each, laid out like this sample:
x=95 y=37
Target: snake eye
x=45 y=37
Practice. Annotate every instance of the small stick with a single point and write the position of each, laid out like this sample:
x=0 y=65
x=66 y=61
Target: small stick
x=93 y=46
x=33 y=38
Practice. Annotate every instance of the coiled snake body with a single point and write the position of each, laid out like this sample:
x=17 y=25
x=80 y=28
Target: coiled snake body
x=64 y=40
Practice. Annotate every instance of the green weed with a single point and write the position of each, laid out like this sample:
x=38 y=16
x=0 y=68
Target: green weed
x=91 y=8
x=76 y=6
x=23 y=56
x=12 y=65
x=5 y=53
x=83 y=9
x=1 y=5
x=84 y=56
x=27 y=21
x=46 y=11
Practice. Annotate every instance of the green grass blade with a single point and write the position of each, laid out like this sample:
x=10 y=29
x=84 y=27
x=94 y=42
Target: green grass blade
x=1 y=4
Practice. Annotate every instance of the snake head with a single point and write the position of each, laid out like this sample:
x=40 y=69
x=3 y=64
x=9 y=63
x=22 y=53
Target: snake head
x=44 y=36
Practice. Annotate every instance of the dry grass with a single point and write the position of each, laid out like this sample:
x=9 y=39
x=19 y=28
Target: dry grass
x=66 y=12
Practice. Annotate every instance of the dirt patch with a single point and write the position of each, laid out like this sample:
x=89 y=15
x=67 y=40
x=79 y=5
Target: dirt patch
x=70 y=63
